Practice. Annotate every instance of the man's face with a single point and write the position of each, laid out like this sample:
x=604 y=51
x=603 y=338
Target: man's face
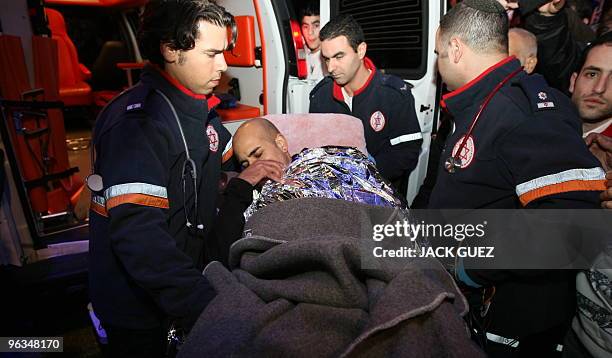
x=592 y=88
x=310 y=30
x=445 y=66
x=341 y=59
x=251 y=147
x=200 y=68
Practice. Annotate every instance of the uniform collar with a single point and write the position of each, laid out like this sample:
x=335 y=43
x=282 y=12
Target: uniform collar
x=477 y=89
x=180 y=95
x=605 y=127
x=337 y=91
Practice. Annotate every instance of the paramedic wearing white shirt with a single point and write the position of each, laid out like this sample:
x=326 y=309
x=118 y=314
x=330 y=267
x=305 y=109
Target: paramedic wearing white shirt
x=310 y=22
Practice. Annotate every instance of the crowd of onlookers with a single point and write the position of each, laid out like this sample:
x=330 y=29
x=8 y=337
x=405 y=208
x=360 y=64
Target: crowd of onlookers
x=557 y=34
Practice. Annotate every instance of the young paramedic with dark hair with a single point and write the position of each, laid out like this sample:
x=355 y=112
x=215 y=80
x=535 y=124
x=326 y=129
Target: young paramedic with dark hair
x=523 y=151
x=384 y=103
x=159 y=151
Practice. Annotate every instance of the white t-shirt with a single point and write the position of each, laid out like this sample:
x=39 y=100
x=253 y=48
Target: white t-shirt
x=316 y=67
x=347 y=99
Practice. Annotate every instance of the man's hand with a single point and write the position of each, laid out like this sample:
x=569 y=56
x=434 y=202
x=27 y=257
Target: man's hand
x=81 y=209
x=263 y=169
x=601 y=147
x=509 y=5
x=606 y=196
x=551 y=8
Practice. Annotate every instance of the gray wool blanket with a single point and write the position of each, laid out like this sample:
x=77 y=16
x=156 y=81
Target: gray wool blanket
x=297 y=289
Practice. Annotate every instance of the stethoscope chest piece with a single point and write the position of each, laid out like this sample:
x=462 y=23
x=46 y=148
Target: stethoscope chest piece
x=94 y=182
x=452 y=164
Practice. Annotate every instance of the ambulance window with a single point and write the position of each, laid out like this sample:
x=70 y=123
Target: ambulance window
x=395 y=31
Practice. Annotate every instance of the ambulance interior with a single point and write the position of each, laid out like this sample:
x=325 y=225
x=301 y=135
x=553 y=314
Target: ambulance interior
x=61 y=61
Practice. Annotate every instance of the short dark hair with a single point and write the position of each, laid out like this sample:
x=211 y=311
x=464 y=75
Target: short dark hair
x=343 y=25
x=175 y=23
x=482 y=31
x=311 y=8
x=603 y=40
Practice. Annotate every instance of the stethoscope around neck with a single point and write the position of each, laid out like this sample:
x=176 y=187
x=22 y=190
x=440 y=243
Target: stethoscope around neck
x=95 y=183
x=453 y=163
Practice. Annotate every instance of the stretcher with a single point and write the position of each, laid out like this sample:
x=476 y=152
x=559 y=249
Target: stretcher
x=33 y=128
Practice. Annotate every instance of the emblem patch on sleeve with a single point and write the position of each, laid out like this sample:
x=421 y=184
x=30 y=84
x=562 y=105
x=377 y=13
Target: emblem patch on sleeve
x=213 y=138
x=542 y=96
x=377 y=121
x=467 y=152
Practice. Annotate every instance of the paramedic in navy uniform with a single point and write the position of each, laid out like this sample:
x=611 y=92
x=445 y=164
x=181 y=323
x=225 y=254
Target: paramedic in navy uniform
x=525 y=151
x=384 y=103
x=151 y=218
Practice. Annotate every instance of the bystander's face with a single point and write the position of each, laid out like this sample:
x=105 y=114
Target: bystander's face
x=341 y=59
x=591 y=88
x=311 y=25
x=200 y=68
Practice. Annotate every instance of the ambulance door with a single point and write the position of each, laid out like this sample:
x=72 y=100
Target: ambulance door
x=426 y=83
x=283 y=57
x=298 y=87
x=259 y=82
x=278 y=54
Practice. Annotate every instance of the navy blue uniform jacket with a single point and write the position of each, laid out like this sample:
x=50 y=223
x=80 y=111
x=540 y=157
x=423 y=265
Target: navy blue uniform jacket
x=526 y=151
x=145 y=264
x=386 y=108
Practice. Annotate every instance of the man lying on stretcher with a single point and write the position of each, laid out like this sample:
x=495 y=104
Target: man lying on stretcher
x=332 y=172
x=298 y=284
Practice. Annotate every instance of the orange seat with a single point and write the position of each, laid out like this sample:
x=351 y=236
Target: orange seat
x=73 y=90
x=243 y=53
x=242 y=111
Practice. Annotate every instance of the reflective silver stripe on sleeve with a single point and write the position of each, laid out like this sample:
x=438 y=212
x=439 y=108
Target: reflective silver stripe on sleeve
x=406 y=138
x=228 y=147
x=98 y=200
x=135 y=188
x=502 y=340
x=596 y=173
